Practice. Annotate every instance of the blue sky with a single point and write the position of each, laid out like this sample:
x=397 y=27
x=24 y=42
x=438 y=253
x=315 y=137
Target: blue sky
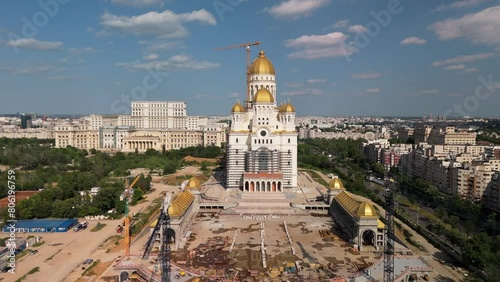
x=332 y=57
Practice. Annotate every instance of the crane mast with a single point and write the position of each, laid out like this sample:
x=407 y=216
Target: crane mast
x=127 y=194
x=162 y=226
x=389 y=231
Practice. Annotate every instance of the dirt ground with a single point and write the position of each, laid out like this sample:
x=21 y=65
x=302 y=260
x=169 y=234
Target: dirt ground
x=199 y=160
x=20 y=195
x=209 y=247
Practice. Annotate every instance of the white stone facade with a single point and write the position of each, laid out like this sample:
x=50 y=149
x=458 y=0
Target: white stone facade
x=262 y=141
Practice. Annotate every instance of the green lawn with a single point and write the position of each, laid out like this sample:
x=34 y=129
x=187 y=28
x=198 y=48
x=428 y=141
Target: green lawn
x=98 y=227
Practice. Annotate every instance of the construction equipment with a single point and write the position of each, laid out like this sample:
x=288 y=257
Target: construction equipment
x=163 y=224
x=127 y=197
x=389 y=231
x=247 y=47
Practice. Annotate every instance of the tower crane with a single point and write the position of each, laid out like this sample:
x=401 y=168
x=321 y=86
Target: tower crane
x=247 y=47
x=389 y=231
x=162 y=226
x=127 y=197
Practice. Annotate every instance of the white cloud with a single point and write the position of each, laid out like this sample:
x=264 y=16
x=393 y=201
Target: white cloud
x=160 y=46
x=90 y=29
x=316 y=80
x=151 y=57
x=413 y=40
x=471 y=70
x=341 y=23
x=366 y=75
x=34 y=44
x=234 y=95
x=304 y=92
x=373 y=90
x=459 y=5
x=455 y=67
x=357 y=28
x=431 y=91
x=79 y=51
x=463 y=59
x=177 y=62
x=319 y=46
x=164 y=24
x=137 y=3
x=481 y=27
x=296 y=8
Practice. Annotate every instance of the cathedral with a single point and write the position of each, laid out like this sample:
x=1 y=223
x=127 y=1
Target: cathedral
x=262 y=142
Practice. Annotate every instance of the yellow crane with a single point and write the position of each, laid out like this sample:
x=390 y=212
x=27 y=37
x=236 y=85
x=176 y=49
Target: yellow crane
x=247 y=47
x=126 y=196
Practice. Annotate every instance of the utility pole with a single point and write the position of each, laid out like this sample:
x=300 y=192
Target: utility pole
x=389 y=231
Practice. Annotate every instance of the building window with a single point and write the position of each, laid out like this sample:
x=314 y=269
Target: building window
x=288 y=140
x=236 y=140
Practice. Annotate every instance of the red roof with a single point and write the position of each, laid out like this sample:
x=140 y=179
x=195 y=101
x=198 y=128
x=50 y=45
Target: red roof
x=20 y=195
x=263 y=175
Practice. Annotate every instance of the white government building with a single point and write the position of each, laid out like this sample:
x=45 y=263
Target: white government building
x=262 y=141
x=152 y=125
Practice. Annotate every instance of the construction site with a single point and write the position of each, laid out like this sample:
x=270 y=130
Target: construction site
x=204 y=232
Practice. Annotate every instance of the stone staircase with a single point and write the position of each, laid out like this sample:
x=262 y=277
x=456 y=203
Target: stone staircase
x=263 y=204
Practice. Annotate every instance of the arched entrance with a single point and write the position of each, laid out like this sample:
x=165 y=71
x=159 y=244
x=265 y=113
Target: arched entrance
x=368 y=238
x=170 y=235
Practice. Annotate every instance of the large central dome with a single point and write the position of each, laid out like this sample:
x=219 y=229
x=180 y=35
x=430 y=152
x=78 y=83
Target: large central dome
x=262 y=65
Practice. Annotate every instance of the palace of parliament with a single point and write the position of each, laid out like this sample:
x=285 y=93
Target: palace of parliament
x=152 y=125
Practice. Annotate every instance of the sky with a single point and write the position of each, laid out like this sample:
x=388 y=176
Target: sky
x=332 y=57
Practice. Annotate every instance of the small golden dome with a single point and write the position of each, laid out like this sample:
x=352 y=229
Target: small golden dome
x=262 y=65
x=238 y=108
x=193 y=183
x=263 y=95
x=366 y=210
x=336 y=183
x=287 y=108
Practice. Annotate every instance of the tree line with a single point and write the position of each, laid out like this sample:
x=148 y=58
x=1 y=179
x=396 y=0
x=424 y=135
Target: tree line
x=62 y=174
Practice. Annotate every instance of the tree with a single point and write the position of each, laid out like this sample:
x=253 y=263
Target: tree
x=203 y=166
x=378 y=169
x=412 y=202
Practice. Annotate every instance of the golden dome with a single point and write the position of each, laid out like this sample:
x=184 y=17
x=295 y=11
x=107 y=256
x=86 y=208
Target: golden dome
x=238 y=108
x=287 y=108
x=335 y=183
x=262 y=65
x=263 y=95
x=180 y=203
x=193 y=183
x=366 y=210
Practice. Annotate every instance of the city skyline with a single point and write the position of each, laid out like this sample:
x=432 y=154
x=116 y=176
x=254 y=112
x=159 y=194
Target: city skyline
x=416 y=59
